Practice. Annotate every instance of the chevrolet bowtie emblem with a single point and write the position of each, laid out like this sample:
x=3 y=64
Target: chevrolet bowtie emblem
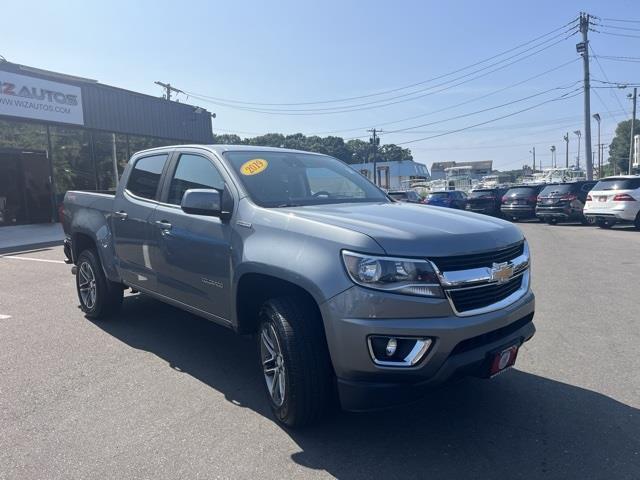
x=501 y=272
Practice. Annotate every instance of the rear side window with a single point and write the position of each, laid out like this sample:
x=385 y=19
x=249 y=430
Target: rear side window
x=193 y=171
x=618 y=184
x=145 y=176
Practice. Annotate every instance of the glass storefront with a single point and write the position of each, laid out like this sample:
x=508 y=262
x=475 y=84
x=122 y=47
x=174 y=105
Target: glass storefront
x=79 y=158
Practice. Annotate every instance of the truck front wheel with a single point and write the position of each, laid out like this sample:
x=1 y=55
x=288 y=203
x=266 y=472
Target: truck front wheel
x=295 y=361
x=98 y=296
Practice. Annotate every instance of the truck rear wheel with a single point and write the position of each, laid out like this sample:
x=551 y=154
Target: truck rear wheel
x=98 y=296
x=295 y=361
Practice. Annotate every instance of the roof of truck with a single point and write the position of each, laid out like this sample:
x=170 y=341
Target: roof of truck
x=231 y=148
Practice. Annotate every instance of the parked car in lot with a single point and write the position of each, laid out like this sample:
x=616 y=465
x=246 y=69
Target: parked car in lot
x=561 y=202
x=351 y=297
x=614 y=200
x=485 y=200
x=409 y=196
x=520 y=202
x=448 y=198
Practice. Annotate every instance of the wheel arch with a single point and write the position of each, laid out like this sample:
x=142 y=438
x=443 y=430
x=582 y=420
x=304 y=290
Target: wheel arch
x=254 y=288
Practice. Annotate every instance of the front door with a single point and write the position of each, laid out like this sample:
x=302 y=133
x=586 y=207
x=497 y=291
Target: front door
x=25 y=187
x=192 y=258
x=132 y=210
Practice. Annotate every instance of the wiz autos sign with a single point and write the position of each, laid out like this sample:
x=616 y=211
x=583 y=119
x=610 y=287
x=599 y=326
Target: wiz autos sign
x=29 y=97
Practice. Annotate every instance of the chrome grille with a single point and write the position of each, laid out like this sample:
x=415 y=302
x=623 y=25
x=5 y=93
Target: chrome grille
x=476 y=260
x=466 y=299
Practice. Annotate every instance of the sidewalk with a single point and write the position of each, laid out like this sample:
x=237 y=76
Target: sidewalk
x=27 y=236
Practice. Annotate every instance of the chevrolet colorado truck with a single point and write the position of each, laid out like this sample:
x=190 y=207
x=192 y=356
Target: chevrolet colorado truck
x=354 y=299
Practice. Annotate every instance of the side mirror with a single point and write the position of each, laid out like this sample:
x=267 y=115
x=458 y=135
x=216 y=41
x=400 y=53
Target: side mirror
x=202 y=201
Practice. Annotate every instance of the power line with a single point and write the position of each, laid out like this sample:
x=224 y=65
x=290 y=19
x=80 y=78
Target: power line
x=380 y=103
x=626 y=20
x=619 y=27
x=385 y=92
x=565 y=96
x=613 y=92
x=450 y=107
x=483 y=110
x=617 y=34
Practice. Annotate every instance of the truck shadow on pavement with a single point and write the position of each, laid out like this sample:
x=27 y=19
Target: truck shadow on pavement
x=518 y=425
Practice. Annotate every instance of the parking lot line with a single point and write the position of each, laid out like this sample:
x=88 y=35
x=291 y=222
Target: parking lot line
x=4 y=317
x=15 y=257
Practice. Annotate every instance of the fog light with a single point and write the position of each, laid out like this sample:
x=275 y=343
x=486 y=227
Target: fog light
x=398 y=351
x=392 y=344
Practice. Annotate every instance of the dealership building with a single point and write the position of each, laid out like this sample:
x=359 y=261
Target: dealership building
x=60 y=132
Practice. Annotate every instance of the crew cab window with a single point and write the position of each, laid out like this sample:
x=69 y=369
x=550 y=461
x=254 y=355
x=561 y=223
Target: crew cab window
x=145 y=176
x=193 y=171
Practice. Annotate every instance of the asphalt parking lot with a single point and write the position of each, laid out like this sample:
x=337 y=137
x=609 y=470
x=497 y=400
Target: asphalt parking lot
x=158 y=393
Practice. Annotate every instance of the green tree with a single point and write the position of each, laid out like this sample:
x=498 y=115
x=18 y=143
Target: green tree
x=619 y=148
x=353 y=151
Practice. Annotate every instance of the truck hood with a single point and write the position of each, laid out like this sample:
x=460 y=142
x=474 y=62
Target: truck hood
x=416 y=230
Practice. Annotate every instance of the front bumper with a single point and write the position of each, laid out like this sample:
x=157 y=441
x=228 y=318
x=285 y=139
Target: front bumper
x=460 y=344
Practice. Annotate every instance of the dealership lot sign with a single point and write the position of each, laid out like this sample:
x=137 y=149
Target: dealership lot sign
x=30 y=97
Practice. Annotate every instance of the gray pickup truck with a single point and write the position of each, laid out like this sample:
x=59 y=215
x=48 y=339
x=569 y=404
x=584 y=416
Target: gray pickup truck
x=352 y=297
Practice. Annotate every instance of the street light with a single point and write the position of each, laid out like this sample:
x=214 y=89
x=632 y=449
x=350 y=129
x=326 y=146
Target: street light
x=597 y=118
x=579 y=134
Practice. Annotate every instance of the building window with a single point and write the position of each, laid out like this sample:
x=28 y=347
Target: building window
x=73 y=167
x=23 y=135
x=103 y=151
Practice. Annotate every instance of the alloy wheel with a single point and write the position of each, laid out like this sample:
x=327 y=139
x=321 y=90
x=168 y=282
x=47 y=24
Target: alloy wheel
x=273 y=364
x=87 y=285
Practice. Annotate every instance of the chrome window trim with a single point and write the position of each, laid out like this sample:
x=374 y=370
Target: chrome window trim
x=416 y=354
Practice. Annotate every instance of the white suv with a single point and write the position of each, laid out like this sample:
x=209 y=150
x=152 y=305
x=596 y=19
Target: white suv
x=613 y=200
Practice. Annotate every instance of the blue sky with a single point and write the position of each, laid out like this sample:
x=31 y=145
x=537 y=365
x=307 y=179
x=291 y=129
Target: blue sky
x=293 y=51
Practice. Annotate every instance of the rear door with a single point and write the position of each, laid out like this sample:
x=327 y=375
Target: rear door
x=191 y=253
x=133 y=207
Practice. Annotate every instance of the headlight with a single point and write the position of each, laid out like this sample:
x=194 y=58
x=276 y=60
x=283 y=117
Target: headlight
x=397 y=275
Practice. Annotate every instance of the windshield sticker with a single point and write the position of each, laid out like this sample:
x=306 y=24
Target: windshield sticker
x=253 y=167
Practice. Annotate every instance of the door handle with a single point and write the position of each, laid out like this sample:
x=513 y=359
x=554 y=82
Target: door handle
x=163 y=224
x=121 y=214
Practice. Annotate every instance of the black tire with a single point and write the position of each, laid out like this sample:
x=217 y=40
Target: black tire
x=108 y=295
x=606 y=224
x=309 y=391
x=552 y=221
x=636 y=222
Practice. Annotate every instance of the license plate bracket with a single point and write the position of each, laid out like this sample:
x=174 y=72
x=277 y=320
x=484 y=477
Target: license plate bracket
x=501 y=360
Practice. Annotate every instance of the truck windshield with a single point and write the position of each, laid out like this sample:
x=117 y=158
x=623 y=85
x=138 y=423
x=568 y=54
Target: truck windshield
x=288 y=179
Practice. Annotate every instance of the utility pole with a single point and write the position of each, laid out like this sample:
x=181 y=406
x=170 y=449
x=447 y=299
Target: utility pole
x=534 y=159
x=633 y=124
x=375 y=141
x=597 y=118
x=168 y=88
x=579 y=135
x=566 y=141
x=583 y=49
